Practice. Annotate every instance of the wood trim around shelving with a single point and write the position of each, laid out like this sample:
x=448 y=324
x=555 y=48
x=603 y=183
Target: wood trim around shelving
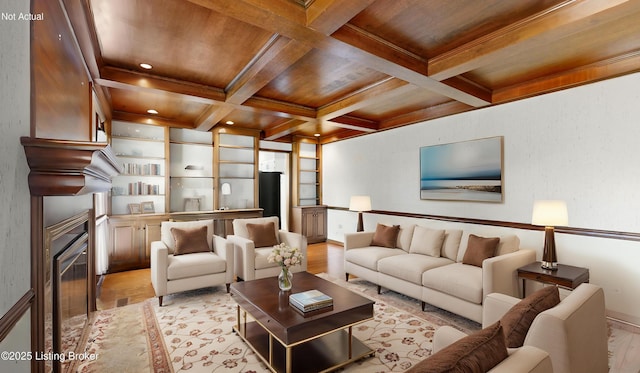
x=600 y=233
x=15 y=313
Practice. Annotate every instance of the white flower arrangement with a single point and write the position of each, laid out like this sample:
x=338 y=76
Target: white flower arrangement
x=285 y=255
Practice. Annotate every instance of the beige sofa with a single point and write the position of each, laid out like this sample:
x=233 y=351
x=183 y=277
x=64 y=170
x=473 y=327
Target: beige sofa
x=573 y=334
x=439 y=278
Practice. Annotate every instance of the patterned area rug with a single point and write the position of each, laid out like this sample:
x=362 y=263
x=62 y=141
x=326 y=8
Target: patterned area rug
x=193 y=333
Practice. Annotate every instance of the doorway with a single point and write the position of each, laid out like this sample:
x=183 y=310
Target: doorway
x=278 y=162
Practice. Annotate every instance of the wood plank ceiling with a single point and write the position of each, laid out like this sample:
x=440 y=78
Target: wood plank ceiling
x=343 y=68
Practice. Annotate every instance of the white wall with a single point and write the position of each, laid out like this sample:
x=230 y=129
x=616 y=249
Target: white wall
x=14 y=190
x=579 y=145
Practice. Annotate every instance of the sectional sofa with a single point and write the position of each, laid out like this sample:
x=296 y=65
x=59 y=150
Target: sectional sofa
x=448 y=268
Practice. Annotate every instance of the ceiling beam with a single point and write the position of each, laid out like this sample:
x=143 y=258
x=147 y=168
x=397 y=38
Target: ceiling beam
x=377 y=93
x=148 y=119
x=275 y=58
x=433 y=112
x=538 y=29
x=135 y=81
x=353 y=123
x=211 y=116
x=284 y=129
x=347 y=42
x=619 y=65
x=327 y=16
x=280 y=52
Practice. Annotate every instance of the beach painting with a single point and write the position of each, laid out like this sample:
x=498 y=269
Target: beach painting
x=462 y=171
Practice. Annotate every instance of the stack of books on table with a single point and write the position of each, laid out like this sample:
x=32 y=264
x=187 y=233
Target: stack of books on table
x=310 y=300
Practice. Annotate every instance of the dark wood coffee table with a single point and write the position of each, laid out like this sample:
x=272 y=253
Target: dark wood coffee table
x=318 y=341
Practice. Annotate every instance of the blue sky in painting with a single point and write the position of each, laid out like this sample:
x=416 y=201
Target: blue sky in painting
x=476 y=159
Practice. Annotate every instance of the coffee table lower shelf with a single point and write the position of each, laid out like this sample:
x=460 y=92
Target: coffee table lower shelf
x=322 y=354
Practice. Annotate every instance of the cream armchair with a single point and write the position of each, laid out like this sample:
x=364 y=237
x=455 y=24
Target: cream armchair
x=573 y=334
x=251 y=249
x=173 y=271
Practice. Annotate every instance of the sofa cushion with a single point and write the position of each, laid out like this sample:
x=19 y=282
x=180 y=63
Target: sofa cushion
x=368 y=257
x=262 y=258
x=459 y=280
x=477 y=352
x=385 y=236
x=190 y=241
x=508 y=244
x=427 y=241
x=451 y=243
x=404 y=237
x=410 y=267
x=479 y=249
x=263 y=235
x=518 y=319
x=197 y=264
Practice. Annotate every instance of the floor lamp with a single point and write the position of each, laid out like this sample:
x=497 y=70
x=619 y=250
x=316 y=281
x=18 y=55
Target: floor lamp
x=360 y=204
x=549 y=214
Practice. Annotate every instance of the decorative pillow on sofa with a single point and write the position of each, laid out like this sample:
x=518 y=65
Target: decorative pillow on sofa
x=427 y=241
x=517 y=321
x=190 y=241
x=478 y=352
x=385 y=236
x=479 y=249
x=263 y=235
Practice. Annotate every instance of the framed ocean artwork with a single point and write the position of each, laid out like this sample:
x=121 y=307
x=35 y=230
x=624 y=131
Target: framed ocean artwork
x=462 y=171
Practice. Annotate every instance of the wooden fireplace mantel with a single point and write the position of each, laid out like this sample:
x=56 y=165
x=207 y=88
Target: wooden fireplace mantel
x=68 y=168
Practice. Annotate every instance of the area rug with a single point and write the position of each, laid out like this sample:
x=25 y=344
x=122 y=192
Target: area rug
x=192 y=332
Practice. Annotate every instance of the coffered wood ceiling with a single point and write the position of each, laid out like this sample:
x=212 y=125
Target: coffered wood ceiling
x=343 y=68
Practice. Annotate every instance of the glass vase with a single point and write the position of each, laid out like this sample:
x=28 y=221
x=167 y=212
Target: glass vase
x=285 y=279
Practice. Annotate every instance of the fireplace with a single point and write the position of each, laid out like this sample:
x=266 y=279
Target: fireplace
x=68 y=283
x=70 y=169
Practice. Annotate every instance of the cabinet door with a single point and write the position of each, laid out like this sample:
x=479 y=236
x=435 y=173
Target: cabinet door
x=152 y=233
x=321 y=225
x=124 y=248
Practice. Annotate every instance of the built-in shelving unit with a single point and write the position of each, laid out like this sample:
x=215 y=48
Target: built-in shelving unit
x=307 y=172
x=191 y=170
x=141 y=151
x=236 y=172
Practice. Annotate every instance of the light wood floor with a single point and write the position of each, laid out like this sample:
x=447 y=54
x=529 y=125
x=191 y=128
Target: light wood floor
x=122 y=288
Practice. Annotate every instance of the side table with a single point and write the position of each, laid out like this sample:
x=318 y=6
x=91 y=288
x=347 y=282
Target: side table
x=566 y=276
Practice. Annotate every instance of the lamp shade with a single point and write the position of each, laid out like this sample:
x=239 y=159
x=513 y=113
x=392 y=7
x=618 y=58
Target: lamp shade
x=360 y=203
x=550 y=213
x=225 y=188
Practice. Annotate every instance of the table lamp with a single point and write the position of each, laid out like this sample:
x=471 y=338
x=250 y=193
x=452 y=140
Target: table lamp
x=225 y=189
x=360 y=204
x=550 y=214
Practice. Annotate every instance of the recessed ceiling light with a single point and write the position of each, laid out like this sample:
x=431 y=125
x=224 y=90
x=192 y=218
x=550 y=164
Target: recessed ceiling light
x=316 y=134
x=152 y=111
x=230 y=122
x=146 y=66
